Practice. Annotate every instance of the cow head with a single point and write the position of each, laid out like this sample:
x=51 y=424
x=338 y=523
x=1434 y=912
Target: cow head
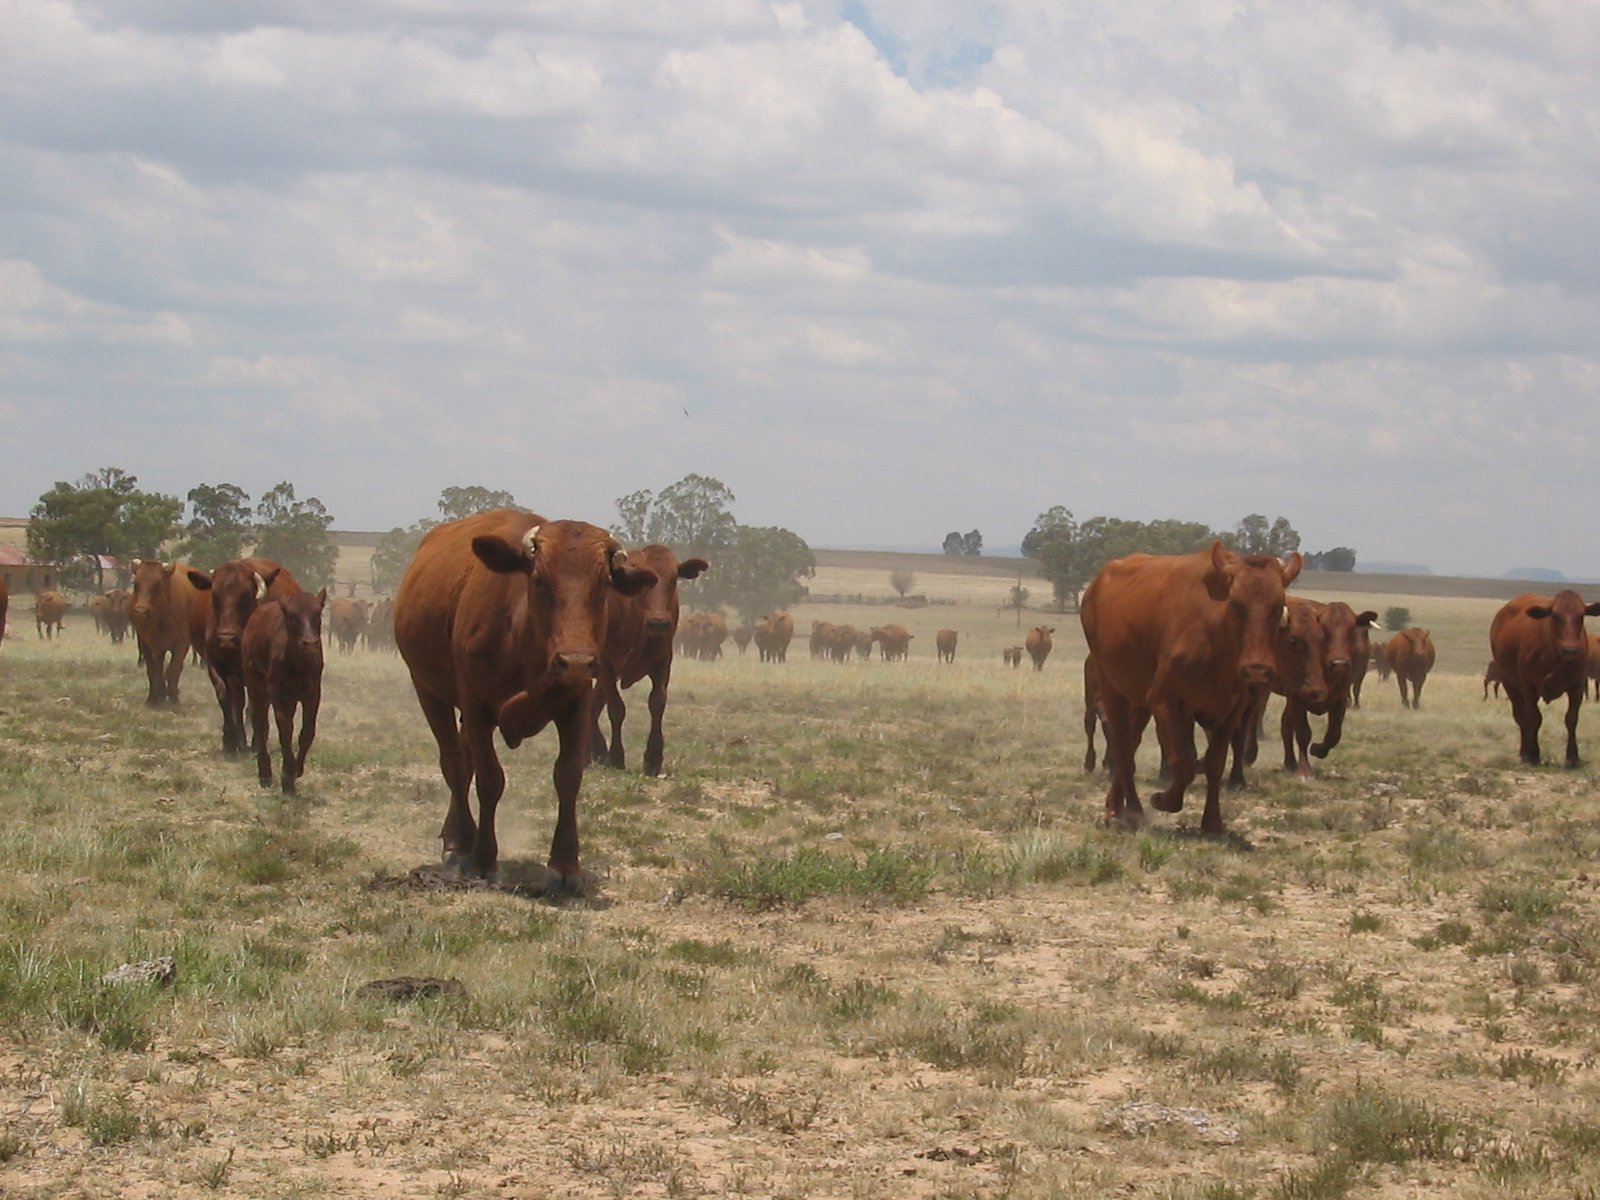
x=1348 y=639
x=152 y=585
x=658 y=604
x=1253 y=589
x=571 y=568
x=302 y=627
x=1302 y=653
x=235 y=590
x=1565 y=613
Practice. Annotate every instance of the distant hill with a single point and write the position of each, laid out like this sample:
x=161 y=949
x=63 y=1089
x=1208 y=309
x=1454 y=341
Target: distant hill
x=1539 y=574
x=1393 y=568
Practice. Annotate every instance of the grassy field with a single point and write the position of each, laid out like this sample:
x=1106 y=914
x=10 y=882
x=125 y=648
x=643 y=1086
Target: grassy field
x=867 y=937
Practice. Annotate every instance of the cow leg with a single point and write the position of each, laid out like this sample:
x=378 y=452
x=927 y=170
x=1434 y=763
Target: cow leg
x=1574 y=703
x=1090 y=718
x=460 y=831
x=1122 y=741
x=233 y=718
x=309 y=705
x=258 y=732
x=219 y=685
x=617 y=713
x=477 y=732
x=1302 y=738
x=174 y=671
x=283 y=712
x=599 y=750
x=1525 y=708
x=1175 y=731
x=562 y=872
x=152 y=671
x=1286 y=730
x=1333 y=735
x=655 y=748
x=1416 y=691
x=1216 y=759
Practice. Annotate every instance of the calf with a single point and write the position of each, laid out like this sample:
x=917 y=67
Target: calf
x=49 y=611
x=1038 y=644
x=1540 y=646
x=233 y=591
x=282 y=653
x=1410 y=656
x=944 y=642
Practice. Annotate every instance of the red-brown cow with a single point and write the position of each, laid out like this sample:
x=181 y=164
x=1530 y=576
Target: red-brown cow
x=862 y=644
x=380 y=624
x=741 y=638
x=773 y=634
x=894 y=642
x=1038 y=644
x=161 y=608
x=99 y=611
x=117 y=615
x=1491 y=676
x=1185 y=639
x=1322 y=691
x=1591 y=664
x=1410 y=656
x=1360 y=661
x=1091 y=711
x=49 y=611
x=638 y=642
x=500 y=619
x=1540 y=646
x=233 y=590
x=347 y=621
x=282 y=656
x=944 y=642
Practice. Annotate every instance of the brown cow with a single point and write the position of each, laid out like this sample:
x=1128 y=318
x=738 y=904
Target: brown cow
x=380 y=624
x=773 y=634
x=1360 y=660
x=1012 y=656
x=1185 y=639
x=1591 y=664
x=638 y=642
x=1038 y=644
x=100 y=611
x=1091 y=711
x=1410 y=656
x=347 y=620
x=1540 y=646
x=944 y=643
x=821 y=636
x=160 y=607
x=1491 y=674
x=701 y=634
x=49 y=611
x=500 y=619
x=1315 y=689
x=233 y=591
x=116 y=617
x=741 y=638
x=862 y=643
x=282 y=657
x=894 y=642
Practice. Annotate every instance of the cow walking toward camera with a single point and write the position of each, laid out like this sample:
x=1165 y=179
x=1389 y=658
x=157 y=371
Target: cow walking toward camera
x=234 y=590
x=945 y=643
x=1038 y=644
x=1410 y=656
x=161 y=607
x=49 y=612
x=1540 y=646
x=500 y=619
x=282 y=654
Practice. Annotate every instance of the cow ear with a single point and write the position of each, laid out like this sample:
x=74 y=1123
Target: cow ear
x=632 y=581
x=1220 y=578
x=500 y=555
x=1538 y=611
x=692 y=568
x=322 y=599
x=1592 y=610
x=1291 y=569
x=1367 y=618
x=200 y=579
x=265 y=579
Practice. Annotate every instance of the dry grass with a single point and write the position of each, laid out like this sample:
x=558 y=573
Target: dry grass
x=868 y=936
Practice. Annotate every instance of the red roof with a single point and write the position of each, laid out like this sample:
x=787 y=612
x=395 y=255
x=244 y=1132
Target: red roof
x=14 y=556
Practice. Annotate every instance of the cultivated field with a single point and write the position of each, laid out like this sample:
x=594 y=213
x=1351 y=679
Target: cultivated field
x=867 y=938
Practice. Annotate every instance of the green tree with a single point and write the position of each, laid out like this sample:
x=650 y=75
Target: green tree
x=972 y=543
x=295 y=534
x=1254 y=535
x=1397 y=618
x=760 y=570
x=1070 y=554
x=104 y=513
x=954 y=543
x=219 y=525
x=1340 y=558
x=691 y=517
x=1054 y=543
x=458 y=502
x=394 y=552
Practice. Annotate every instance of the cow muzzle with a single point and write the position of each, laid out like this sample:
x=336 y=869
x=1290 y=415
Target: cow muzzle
x=1570 y=652
x=575 y=666
x=1256 y=673
x=658 y=625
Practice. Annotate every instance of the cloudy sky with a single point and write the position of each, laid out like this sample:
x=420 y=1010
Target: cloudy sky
x=887 y=268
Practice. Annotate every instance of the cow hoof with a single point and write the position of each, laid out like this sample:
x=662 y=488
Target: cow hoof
x=457 y=862
x=1319 y=751
x=557 y=884
x=1166 y=803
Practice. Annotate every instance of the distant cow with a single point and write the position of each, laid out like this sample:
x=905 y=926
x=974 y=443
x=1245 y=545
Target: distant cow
x=773 y=634
x=49 y=611
x=347 y=619
x=1038 y=644
x=894 y=642
x=821 y=636
x=1186 y=639
x=234 y=590
x=1410 y=656
x=1012 y=655
x=161 y=606
x=1541 y=647
x=1491 y=675
x=282 y=656
x=742 y=636
x=380 y=624
x=701 y=634
x=1591 y=664
x=116 y=616
x=638 y=643
x=944 y=642
x=99 y=611
x=500 y=620
x=862 y=643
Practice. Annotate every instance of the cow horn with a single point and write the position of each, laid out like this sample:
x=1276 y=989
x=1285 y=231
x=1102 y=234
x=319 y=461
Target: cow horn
x=1283 y=620
x=615 y=554
x=530 y=542
x=135 y=564
x=261 y=585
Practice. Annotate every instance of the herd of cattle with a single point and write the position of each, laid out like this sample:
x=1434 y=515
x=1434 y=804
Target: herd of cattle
x=509 y=622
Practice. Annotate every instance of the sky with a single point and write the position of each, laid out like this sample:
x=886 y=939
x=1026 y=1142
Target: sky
x=885 y=268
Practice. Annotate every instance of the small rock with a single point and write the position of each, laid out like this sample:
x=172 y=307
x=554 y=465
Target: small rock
x=409 y=987
x=150 y=970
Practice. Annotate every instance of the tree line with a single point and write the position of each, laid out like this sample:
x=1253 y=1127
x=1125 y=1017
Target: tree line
x=1070 y=553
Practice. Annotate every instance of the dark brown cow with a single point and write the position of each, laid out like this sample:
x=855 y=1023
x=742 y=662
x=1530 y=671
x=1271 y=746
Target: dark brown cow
x=347 y=620
x=1410 y=656
x=821 y=636
x=116 y=616
x=380 y=624
x=894 y=642
x=234 y=589
x=1038 y=644
x=160 y=607
x=638 y=642
x=741 y=638
x=1091 y=711
x=1360 y=660
x=282 y=656
x=944 y=643
x=49 y=612
x=1185 y=639
x=500 y=619
x=1316 y=689
x=1012 y=656
x=1540 y=646
x=773 y=634
x=1491 y=674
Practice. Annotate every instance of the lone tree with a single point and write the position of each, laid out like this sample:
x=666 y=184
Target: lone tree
x=458 y=502
x=103 y=514
x=1254 y=536
x=219 y=525
x=969 y=543
x=1340 y=558
x=294 y=533
x=901 y=581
